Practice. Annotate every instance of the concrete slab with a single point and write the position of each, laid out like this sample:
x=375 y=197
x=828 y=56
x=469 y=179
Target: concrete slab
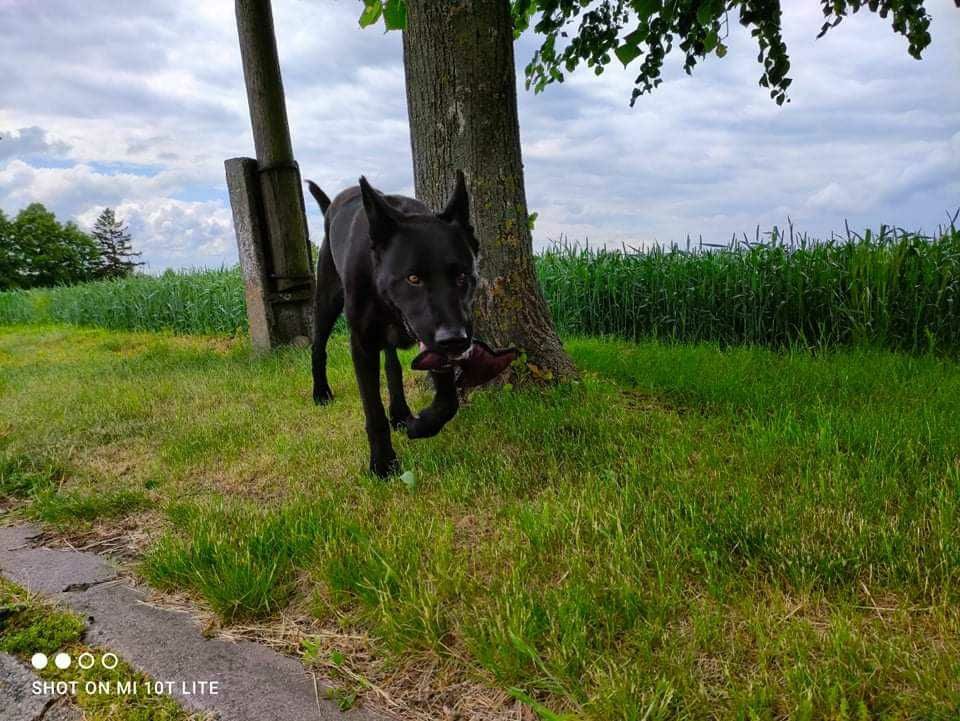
x=13 y=537
x=252 y=682
x=48 y=570
x=19 y=703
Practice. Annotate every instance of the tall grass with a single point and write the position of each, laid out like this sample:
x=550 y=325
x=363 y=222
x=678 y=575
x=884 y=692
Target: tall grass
x=188 y=301
x=889 y=289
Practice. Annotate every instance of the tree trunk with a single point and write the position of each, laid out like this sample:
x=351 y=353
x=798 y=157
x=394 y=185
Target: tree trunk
x=462 y=103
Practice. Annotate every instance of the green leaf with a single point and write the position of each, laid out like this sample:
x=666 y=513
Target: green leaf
x=409 y=479
x=710 y=42
x=521 y=11
x=310 y=649
x=371 y=13
x=346 y=701
x=646 y=8
x=627 y=53
x=637 y=36
x=395 y=15
x=542 y=711
x=721 y=50
x=706 y=13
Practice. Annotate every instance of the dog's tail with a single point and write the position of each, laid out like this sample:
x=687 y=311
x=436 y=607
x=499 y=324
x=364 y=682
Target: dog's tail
x=322 y=200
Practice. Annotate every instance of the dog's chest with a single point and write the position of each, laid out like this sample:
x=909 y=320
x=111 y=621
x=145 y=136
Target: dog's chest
x=396 y=335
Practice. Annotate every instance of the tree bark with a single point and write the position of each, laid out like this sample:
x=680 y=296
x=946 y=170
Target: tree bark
x=462 y=103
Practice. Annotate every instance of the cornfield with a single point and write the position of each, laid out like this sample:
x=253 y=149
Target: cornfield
x=889 y=289
x=188 y=301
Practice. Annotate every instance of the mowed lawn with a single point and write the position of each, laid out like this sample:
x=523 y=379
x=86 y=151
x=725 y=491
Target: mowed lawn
x=686 y=533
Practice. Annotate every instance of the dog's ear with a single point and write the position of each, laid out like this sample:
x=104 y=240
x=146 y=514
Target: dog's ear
x=458 y=207
x=381 y=217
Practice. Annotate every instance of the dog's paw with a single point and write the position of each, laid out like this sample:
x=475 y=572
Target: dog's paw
x=385 y=465
x=322 y=396
x=422 y=427
x=430 y=421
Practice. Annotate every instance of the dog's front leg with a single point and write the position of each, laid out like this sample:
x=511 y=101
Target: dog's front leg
x=399 y=410
x=366 y=364
x=444 y=407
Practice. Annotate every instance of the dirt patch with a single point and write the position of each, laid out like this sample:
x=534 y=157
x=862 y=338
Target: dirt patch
x=118 y=460
x=123 y=540
x=641 y=401
x=222 y=345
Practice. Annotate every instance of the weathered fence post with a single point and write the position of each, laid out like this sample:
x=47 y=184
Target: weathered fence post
x=267 y=197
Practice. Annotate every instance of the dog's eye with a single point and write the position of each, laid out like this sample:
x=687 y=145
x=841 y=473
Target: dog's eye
x=413 y=279
x=462 y=279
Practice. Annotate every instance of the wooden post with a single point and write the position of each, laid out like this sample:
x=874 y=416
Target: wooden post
x=272 y=199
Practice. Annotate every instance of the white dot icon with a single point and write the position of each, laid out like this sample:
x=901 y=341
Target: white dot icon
x=39 y=661
x=62 y=660
x=109 y=660
x=85 y=660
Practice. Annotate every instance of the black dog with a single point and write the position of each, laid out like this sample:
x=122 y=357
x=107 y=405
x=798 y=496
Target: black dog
x=401 y=274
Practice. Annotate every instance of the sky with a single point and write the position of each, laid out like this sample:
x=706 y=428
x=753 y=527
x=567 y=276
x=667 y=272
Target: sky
x=135 y=106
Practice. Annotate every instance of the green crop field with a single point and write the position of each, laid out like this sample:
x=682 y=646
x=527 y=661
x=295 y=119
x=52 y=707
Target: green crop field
x=688 y=532
x=888 y=289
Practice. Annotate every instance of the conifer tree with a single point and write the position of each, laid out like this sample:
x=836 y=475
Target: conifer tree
x=116 y=247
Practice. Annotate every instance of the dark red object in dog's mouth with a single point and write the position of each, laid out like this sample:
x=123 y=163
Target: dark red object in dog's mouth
x=477 y=365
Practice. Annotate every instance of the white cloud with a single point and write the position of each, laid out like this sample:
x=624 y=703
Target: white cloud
x=175 y=233
x=30 y=142
x=169 y=232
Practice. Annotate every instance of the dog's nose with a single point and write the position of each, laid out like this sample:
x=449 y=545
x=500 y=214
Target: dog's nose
x=452 y=339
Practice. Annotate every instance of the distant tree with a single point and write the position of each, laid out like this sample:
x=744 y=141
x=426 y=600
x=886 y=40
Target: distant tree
x=116 y=249
x=40 y=251
x=8 y=254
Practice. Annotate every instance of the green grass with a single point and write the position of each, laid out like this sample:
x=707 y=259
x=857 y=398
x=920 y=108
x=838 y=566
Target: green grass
x=86 y=497
x=890 y=289
x=22 y=476
x=241 y=560
x=57 y=507
x=689 y=532
x=29 y=625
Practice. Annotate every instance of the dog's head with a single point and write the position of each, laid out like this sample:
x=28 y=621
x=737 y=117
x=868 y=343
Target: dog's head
x=425 y=265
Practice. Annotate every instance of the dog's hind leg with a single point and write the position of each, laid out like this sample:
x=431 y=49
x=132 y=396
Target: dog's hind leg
x=400 y=413
x=444 y=407
x=327 y=306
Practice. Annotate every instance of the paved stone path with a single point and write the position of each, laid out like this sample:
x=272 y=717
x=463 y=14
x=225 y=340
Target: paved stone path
x=255 y=683
x=19 y=703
